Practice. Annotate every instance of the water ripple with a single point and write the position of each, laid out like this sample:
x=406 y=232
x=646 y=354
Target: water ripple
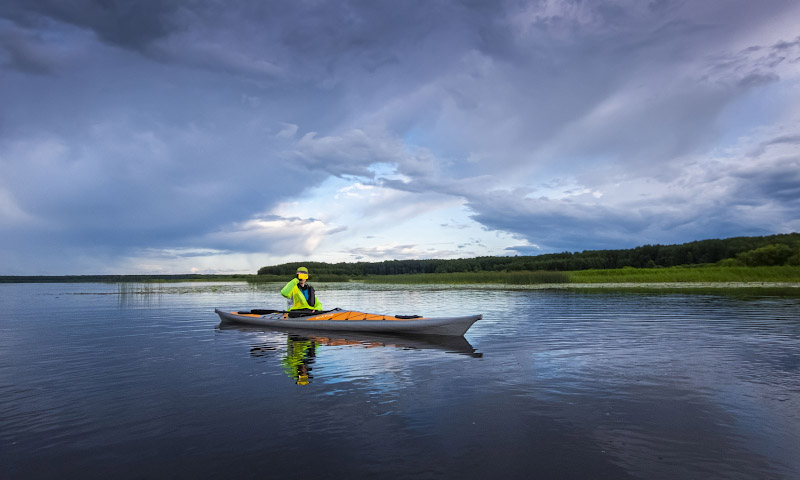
x=577 y=384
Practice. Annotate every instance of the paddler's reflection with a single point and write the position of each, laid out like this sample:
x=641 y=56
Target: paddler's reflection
x=261 y=350
x=301 y=349
x=300 y=355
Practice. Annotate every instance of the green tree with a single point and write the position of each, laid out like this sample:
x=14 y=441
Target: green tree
x=768 y=255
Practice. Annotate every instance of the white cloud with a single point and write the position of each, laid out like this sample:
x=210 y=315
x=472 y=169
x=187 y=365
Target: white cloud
x=288 y=131
x=10 y=212
x=357 y=190
x=274 y=234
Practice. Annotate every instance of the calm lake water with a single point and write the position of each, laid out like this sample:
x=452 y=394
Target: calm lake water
x=106 y=381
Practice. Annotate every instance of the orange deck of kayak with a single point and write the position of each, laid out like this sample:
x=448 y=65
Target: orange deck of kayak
x=339 y=316
x=355 y=316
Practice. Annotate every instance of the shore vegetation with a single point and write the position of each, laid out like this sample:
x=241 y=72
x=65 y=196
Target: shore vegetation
x=767 y=259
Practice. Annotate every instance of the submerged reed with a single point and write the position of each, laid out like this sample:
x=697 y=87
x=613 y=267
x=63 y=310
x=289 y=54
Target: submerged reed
x=139 y=288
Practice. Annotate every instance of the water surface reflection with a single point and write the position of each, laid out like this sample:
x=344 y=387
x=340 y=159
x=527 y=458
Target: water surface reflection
x=550 y=384
x=298 y=348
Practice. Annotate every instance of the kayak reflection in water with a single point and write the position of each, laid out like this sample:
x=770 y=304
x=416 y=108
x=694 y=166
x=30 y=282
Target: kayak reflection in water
x=300 y=354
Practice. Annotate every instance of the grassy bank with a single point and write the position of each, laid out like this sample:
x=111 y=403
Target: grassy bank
x=324 y=278
x=627 y=275
x=706 y=274
x=506 y=278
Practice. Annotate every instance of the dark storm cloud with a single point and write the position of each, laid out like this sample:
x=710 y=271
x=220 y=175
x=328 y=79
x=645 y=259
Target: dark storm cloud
x=178 y=125
x=777 y=184
x=348 y=154
x=737 y=196
x=23 y=52
x=782 y=140
x=312 y=37
x=561 y=226
x=754 y=65
x=557 y=224
x=524 y=250
x=128 y=24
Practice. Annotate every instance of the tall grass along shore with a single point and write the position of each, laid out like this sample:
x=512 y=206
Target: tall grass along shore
x=694 y=274
x=709 y=273
x=750 y=260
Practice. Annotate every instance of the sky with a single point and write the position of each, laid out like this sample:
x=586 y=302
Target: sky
x=158 y=137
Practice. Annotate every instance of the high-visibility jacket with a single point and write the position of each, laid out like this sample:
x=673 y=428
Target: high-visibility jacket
x=295 y=298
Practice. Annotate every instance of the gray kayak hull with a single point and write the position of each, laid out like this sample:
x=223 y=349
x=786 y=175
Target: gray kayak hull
x=420 y=326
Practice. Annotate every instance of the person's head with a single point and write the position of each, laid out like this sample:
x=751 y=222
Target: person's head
x=302 y=273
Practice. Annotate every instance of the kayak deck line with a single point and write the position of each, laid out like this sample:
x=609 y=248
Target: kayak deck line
x=350 y=320
x=349 y=316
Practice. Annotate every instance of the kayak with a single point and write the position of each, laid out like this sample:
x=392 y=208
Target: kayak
x=352 y=321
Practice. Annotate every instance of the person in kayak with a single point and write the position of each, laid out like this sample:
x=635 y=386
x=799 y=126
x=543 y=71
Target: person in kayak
x=299 y=294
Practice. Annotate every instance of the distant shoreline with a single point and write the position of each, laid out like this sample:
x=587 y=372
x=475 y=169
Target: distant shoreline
x=677 y=277
x=189 y=277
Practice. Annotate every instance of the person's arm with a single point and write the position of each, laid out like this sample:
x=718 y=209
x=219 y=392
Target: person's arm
x=286 y=291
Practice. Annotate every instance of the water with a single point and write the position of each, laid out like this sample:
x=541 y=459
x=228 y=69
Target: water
x=104 y=381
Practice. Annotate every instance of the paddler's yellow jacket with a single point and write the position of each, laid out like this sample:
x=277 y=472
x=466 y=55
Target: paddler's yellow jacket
x=296 y=299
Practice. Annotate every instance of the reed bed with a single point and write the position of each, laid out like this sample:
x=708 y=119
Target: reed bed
x=708 y=273
x=323 y=278
x=682 y=274
x=139 y=288
x=700 y=273
x=506 y=278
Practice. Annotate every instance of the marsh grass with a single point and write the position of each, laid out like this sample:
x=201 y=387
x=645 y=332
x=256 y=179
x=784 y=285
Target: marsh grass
x=699 y=273
x=506 y=278
x=323 y=278
x=742 y=290
x=695 y=274
x=629 y=275
x=139 y=288
x=266 y=279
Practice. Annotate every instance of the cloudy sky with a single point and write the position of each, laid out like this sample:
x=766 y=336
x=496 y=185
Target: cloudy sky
x=207 y=136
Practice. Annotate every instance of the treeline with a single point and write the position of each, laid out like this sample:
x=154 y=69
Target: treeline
x=779 y=249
